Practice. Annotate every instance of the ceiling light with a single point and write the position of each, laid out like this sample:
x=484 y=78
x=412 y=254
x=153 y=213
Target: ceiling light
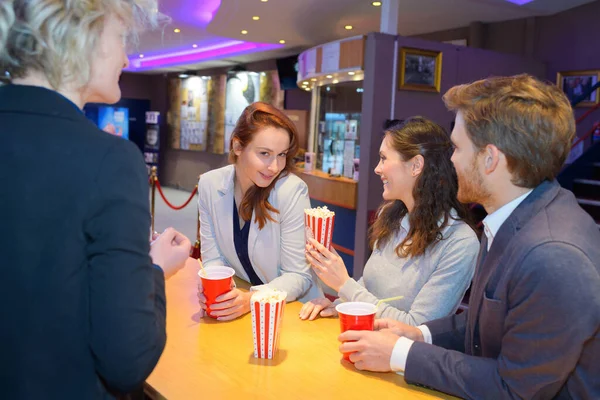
x=264 y=1
x=201 y=53
x=351 y=73
x=329 y=76
x=335 y=81
x=244 y=32
x=256 y=18
x=194 y=45
x=176 y=30
x=376 y=3
x=307 y=89
x=183 y=76
x=313 y=79
x=282 y=41
x=348 y=27
x=305 y=83
x=141 y=56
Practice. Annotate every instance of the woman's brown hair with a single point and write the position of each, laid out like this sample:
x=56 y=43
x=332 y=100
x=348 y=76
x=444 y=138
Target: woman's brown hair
x=255 y=117
x=434 y=192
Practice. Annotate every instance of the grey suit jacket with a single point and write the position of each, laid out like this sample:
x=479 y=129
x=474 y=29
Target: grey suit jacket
x=532 y=330
x=276 y=251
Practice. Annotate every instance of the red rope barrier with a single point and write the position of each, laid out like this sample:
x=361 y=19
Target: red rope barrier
x=167 y=201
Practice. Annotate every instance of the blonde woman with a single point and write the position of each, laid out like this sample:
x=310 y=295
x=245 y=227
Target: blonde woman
x=86 y=291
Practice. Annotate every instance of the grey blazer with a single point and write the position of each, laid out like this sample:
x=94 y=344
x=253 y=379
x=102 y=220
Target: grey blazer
x=276 y=251
x=532 y=330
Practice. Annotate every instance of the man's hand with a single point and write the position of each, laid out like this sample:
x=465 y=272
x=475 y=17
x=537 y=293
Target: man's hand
x=370 y=350
x=399 y=329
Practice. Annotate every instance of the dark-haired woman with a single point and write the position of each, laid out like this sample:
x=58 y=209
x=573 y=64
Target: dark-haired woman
x=423 y=249
x=252 y=212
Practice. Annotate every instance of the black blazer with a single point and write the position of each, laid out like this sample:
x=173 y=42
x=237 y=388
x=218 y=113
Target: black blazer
x=532 y=330
x=82 y=307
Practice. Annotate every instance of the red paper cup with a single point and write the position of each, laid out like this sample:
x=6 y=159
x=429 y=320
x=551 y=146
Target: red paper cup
x=356 y=316
x=267 y=308
x=216 y=280
x=321 y=227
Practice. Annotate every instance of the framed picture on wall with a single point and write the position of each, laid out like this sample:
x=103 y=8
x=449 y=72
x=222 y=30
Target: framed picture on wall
x=576 y=83
x=420 y=70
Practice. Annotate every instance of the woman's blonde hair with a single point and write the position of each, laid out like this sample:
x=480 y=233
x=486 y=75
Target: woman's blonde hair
x=58 y=37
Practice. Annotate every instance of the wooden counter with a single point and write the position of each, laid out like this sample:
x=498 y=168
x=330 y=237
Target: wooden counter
x=206 y=359
x=340 y=191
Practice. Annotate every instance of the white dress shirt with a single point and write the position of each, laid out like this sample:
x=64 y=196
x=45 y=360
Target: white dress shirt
x=491 y=226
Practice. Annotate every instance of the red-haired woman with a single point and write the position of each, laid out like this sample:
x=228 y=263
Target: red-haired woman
x=252 y=212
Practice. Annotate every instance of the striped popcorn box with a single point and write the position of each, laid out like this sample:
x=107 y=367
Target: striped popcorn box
x=319 y=221
x=267 y=313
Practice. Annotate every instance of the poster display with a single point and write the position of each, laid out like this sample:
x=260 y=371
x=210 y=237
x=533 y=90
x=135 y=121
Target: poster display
x=203 y=110
x=194 y=113
x=114 y=120
x=152 y=139
x=243 y=89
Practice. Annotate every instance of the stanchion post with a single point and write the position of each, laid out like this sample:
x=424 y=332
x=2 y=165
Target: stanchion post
x=153 y=179
x=196 y=251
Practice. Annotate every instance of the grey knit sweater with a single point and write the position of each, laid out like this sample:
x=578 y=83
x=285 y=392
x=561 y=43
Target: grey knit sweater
x=432 y=284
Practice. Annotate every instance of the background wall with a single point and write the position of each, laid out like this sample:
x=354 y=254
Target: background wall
x=565 y=41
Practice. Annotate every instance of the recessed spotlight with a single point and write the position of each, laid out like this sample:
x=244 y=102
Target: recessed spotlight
x=313 y=79
x=305 y=83
x=183 y=76
x=329 y=76
x=351 y=73
x=376 y=3
x=244 y=32
x=307 y=89
x=176 y=30
x=264 y=1
x=348 y=27
x=335 y=81
x=256 y=18
x=282 y=41
x=194 y=45
x=141 y=56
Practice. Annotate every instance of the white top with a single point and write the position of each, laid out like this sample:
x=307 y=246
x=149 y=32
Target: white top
x=493 y=222
x=432 y=284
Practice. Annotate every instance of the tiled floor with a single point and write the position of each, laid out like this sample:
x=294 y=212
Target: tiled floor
x=183 y=220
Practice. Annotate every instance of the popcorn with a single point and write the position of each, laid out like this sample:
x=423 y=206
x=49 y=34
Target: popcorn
x=267 y=307
x=319 y=221
x=269 y=296
x=319 y=212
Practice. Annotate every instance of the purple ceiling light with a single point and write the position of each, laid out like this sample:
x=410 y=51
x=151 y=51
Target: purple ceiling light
x=220 y=50
x=198 y=14
x=519 y=2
